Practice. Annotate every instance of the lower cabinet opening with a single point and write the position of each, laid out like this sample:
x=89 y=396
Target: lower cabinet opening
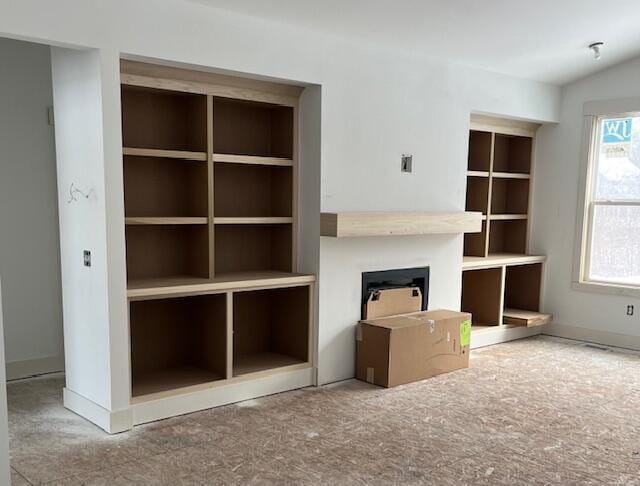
x=270 y=329
x=177 y=342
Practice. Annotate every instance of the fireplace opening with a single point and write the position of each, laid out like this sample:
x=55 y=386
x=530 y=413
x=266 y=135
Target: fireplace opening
x=391 y=279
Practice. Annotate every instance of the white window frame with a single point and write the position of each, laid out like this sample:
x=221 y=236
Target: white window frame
x=593 y=112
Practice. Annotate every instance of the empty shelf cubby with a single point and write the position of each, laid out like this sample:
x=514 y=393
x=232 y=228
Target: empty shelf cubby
x=253 y=247
x=248 y=190
x=177 y=342
x=164 y=251
x=479 y=151
x=522 y=287
x=163 y=120
x=512 y=154
x=252 y=128
x=270 y=329
x=508 y=236
x=161 y=187
x=509 y=196
x=475 y=243
x=477 y=194
x=482 y=294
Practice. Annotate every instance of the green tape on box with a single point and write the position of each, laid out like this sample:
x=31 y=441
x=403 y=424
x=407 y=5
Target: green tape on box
x=465 y=333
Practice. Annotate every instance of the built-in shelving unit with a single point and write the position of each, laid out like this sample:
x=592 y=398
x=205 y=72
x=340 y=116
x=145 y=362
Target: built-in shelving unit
x=210 y=190
x=501 y=283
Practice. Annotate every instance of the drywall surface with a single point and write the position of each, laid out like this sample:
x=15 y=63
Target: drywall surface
x=558 y=164
x=5 y=472
x=376 y=104
x=29 y=238
x=80 y=155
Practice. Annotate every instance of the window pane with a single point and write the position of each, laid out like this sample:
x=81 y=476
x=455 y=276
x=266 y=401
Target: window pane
x=615 y=244
x=618 y=159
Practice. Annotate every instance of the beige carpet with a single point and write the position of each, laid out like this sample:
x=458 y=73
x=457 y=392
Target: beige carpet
x=535 y=411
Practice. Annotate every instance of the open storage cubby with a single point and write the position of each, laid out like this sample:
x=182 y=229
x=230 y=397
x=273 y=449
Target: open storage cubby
x=508 y=237
x=253 y=128
x=270 y=329
x=479 y=151
x=509 y=196
x=477 y=194
x=248 y=190
x=163 y=120
x=522 y=287
x=253 y=247
x=177 y=342
x=481 y=295
x=512 y=154
x=475 y=243
x=162 y=187
x=161 y=251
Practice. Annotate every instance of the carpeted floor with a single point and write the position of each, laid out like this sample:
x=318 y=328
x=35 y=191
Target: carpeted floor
x=534 y=411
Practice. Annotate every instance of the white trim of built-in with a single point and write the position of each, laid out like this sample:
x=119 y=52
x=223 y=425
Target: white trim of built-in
x=593 y=336
x=112 y=422
x=502 y=334
x=150 y=411
x=36 y=366
x=117 y=421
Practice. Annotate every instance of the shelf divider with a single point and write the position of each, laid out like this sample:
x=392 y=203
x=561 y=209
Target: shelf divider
x=165 y=221
x=252 y=160
x=253 y=220
x=167 y=154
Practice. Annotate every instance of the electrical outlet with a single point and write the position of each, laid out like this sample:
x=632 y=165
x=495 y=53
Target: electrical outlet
x=406 y=164
x=87 y=258
x=629 y=310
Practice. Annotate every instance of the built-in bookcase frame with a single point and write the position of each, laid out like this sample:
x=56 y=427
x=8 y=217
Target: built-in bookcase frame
x=211 y=197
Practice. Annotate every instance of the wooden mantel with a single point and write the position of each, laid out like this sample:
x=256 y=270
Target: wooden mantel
x=376 y=223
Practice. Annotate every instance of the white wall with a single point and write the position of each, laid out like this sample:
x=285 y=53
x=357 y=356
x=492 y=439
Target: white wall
x=76 y=77
x=5 y=471
x=29 y=238
x=375 y=105
x=558 y=165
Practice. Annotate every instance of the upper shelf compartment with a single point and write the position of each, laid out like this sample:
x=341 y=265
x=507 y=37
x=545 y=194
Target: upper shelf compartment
x=251 y=128
x=163 y=120
x=375 y=223
x=512 y=154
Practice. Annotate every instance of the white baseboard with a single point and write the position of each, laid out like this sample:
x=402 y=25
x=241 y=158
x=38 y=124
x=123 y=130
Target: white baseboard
x=111 y=422
x=502 y=334
x=593 y=336
x=36 y=366
x=171 y=406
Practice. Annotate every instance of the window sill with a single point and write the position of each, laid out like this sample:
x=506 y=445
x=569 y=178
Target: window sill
x=607 y=288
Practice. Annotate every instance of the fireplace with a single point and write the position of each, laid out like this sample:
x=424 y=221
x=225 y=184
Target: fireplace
x=389 y=279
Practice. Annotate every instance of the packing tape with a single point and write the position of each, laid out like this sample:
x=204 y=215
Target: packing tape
x=359 y=332
x=370 y=375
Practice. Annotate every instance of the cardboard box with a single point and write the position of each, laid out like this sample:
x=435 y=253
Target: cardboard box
x=401 y=349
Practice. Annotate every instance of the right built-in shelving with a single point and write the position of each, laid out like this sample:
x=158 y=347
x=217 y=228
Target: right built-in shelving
x=501 y=282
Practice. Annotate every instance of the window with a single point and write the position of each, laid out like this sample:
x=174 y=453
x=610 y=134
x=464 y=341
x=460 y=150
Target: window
x=611 y=242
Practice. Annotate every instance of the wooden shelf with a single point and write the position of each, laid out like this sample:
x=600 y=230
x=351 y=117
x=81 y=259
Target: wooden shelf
x=500 y=260
x=477 y=173
x=259 y=220
x=187 y=285
x=507 y=217
x=172 y=379
x=252 y=160
x=525 y=318
x=350 y=224
x=510 y=175
x=166 y=154
x=244 y=365
x=165 y=221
